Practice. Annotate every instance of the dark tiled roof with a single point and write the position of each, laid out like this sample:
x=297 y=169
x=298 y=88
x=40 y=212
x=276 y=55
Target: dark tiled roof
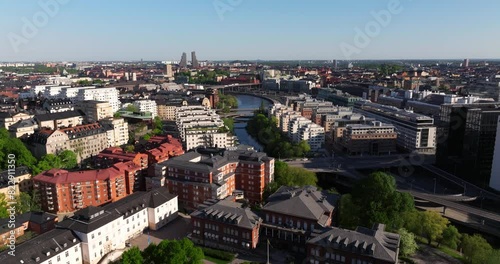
x=375 y=243
x=228 y=212
x=42 y=247
x=59 y=116
x=91 y=218
x=305 y=202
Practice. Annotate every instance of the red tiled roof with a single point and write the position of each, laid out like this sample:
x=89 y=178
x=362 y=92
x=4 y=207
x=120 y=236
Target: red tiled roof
x=60 y=176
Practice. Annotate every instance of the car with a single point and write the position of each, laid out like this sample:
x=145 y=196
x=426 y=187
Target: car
x=305 y=159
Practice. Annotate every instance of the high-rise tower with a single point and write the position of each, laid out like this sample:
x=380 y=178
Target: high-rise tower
x=183 y=62
x=194 y=61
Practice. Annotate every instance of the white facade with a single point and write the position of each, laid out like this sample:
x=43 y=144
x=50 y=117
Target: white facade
x=495 y=166
x=313 y=134
x=78 y=94
x=119 y=135
x=200 y=126
x=146 y=106
x=163 y=214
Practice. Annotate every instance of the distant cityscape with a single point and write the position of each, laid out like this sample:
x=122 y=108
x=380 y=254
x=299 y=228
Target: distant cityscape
x=240 y=156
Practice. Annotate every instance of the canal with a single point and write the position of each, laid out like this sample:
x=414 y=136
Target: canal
x=240 y=123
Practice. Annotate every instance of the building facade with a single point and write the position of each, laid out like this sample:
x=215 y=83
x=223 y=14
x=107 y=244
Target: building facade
x=373 y=138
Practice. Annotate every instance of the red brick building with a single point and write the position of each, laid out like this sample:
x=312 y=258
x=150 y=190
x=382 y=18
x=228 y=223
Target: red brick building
x=226 y=225
x=293 y=214
x=112 y=155
x=215 y=174
x=62 y=191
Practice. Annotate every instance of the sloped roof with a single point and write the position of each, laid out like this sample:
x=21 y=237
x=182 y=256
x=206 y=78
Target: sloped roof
x=228 y=212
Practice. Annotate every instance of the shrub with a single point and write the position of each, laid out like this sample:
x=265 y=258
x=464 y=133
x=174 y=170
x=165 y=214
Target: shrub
x=218 y=254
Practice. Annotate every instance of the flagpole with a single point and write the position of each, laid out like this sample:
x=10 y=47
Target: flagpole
x=268 y=252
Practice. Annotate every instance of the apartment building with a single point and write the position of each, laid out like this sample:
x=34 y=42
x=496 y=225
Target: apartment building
x=166 y=110
x=20 y=179
x=63 y=191
x=225 y=225
x=58 y=105
x=215 y=174
x=37 y=222
x=416 y=132
x=95 y=110
x=373 y=138
x=91 y=233
x=79 y=94
x=147 y=106
x=302 y=129
x=23 y=128
x=55 y=246
x=292 y=214
x=60 y=120
x=200 y=126
x=8 y=119
x=364 y=245
x=162 y=148
x=116 y=131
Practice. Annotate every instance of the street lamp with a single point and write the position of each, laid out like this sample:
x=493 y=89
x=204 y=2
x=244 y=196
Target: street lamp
x=434 y=185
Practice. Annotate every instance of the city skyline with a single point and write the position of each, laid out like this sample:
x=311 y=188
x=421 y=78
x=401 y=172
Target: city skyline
x=57 y=30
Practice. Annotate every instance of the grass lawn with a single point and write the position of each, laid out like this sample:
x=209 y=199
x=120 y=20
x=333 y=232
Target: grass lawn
x=217 y=261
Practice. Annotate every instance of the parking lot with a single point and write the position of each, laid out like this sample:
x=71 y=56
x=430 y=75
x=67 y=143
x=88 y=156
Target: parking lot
x=177 y=229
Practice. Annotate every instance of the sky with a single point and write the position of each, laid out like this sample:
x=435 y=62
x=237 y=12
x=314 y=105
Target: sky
x=91 y=30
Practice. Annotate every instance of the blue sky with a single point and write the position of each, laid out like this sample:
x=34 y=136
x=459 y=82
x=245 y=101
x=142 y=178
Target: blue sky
x=247 y=29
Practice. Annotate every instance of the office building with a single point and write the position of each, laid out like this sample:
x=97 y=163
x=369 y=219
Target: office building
x=465 y=64
x=373 y=138
x=146 y=106
x=416 y=133
x=467 y=140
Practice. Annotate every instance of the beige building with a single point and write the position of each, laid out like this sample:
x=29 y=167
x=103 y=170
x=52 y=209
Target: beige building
x=95 y=110
x=22 y=181
x=166 y=112
x=85 y=140
x=8 y=119
x=23 y=128
x=54 y=121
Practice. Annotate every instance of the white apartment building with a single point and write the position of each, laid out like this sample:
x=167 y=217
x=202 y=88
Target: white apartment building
x=78 y=94
x=107 y=228
x=294 y=127
x=116 y=131
x=313 y=134
x=146 y=106
x=200 y=126
x=285 y=120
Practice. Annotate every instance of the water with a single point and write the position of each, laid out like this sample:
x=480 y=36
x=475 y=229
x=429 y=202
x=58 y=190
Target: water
x=246 y=102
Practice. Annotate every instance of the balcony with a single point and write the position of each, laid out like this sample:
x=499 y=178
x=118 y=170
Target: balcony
x=49 y=192
x=50 y=202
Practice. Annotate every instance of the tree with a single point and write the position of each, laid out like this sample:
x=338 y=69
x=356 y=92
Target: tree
x=433 y=225
x=408 y=245
x=476 y=249
x=493 y=257
x=450 y=237
x=173 y=252
x=132 y=108
x=68 y=159
x=3 y=206
x=157 y=123
x=349 y=215
x=132 y=256
x=292 y=176
x=13 y=146
x=23 y=203
x=129 y=148
x=378 y=201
